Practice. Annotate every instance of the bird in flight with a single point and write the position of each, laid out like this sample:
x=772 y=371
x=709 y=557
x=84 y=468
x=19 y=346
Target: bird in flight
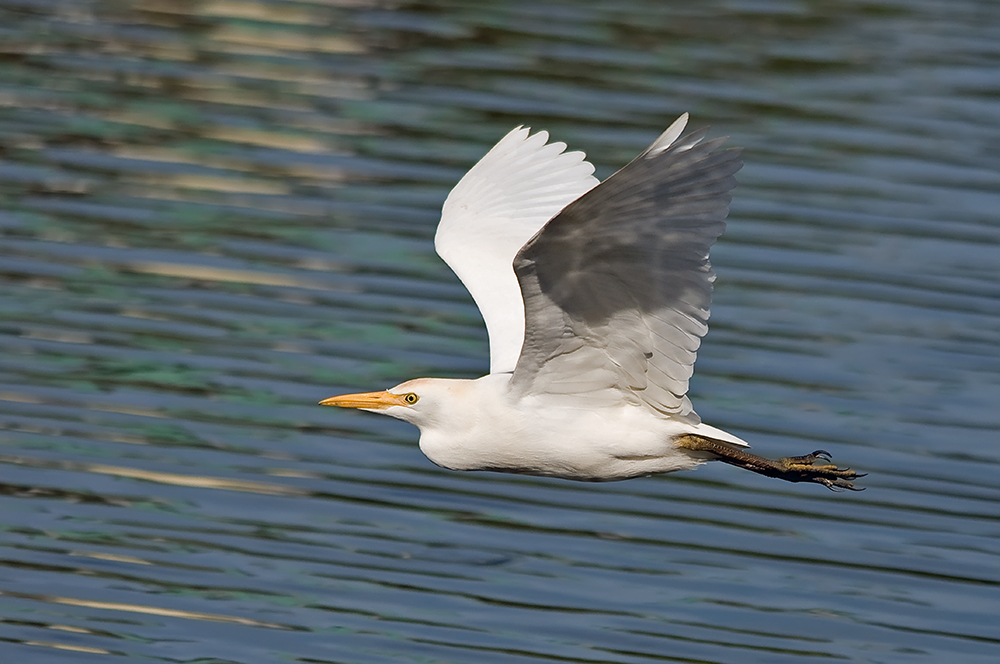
x=595 y=296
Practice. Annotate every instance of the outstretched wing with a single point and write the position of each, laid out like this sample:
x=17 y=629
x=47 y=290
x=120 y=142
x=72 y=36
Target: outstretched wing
x=617 y=286
x=494 y=209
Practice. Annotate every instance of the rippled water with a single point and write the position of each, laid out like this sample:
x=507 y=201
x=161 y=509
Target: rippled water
x=216 y=213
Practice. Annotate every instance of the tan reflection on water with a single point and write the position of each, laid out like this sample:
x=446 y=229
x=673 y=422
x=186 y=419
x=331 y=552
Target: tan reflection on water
x=204 y=272
x=176 y=479
x=71 y=648
x=139 y=608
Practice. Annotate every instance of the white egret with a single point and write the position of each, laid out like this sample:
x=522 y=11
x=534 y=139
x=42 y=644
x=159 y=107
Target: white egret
x=596 y=297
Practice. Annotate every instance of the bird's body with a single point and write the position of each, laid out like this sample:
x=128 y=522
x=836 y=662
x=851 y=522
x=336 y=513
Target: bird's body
x=596 y=297
x=479 y=425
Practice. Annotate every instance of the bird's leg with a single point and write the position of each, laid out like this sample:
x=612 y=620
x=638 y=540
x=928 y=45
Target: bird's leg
x=793 y=469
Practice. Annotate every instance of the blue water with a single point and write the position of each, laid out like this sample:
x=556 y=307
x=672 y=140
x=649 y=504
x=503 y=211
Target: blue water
x=215 y=214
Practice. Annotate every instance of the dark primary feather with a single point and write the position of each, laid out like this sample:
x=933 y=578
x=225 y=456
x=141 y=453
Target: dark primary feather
x=617 y=286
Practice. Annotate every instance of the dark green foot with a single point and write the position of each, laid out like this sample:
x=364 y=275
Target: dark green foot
x=813 y=467
x=806 y=469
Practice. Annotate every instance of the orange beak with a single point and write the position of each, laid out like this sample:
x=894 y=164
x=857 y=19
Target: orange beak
x=366 y=400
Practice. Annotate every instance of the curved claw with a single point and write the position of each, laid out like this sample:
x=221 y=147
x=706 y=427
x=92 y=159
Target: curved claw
x=822 y=454
x=838 y=484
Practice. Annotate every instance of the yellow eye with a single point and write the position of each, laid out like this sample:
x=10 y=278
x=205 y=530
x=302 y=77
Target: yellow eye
x=411 y=398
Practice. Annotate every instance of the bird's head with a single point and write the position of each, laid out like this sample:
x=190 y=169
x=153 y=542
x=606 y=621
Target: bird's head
x=450 y=413
x=415 y=401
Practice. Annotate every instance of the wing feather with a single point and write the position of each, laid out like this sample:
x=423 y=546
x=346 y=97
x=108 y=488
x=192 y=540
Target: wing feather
x=618 y=284
x=493 y=210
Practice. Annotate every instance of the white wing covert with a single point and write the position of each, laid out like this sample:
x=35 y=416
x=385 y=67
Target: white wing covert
x=617 y=286
x=493 y=210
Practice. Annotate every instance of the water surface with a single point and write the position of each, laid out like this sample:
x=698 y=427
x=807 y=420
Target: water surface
x=216 y=213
